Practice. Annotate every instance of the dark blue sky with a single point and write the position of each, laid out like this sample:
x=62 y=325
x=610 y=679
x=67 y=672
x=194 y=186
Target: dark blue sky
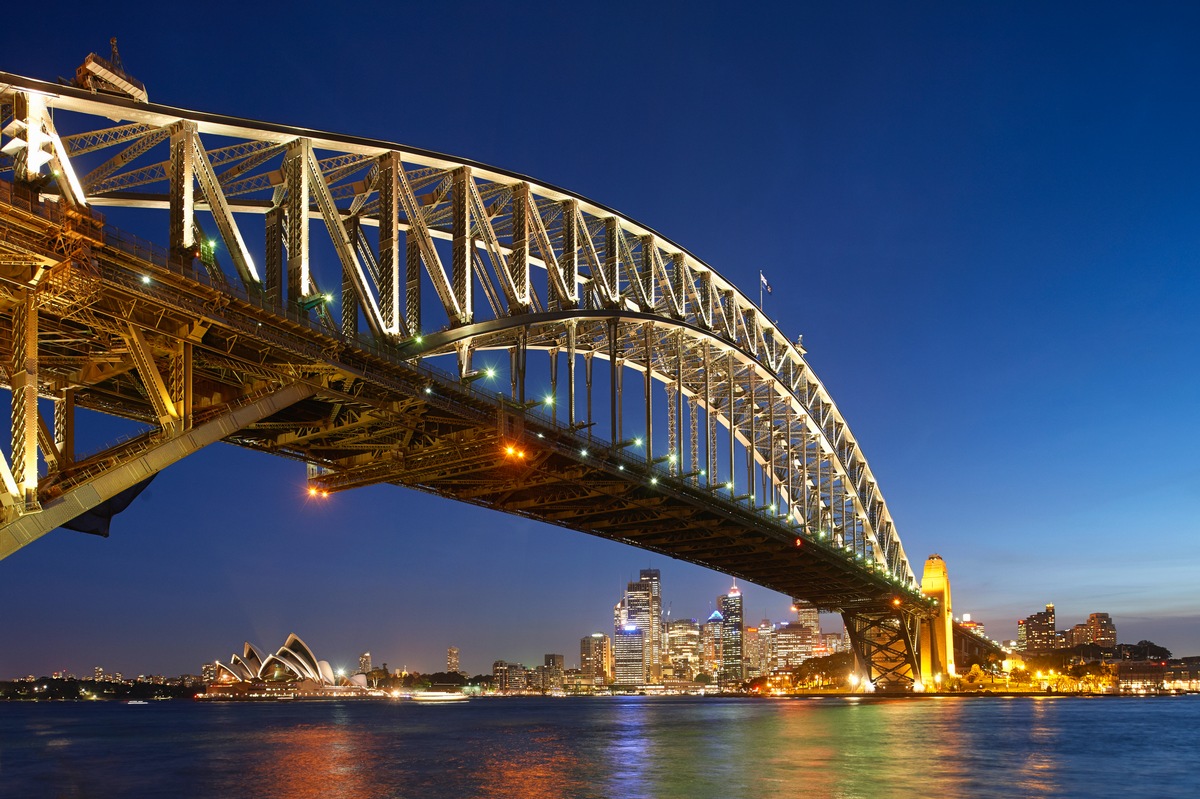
x=982 y=219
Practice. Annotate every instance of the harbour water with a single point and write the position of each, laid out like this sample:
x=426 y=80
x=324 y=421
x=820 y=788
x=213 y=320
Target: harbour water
x=835 y=748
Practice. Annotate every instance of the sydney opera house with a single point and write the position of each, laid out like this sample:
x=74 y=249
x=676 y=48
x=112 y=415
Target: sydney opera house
x=293 y=672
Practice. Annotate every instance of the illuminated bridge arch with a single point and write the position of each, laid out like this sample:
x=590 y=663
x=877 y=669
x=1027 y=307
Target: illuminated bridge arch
x=366 y=326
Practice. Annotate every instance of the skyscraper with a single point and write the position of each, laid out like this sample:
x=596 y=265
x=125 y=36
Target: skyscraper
x=595 y=658
x=752 y=651
x=641 y=606
x=364 y=663
x=733 y=669
x=652 y=580
x=452 y=659
x=710 y=644
x=683 y=648
x=629 y=656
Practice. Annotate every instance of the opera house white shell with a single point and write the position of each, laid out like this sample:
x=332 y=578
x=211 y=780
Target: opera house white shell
x=291 y=672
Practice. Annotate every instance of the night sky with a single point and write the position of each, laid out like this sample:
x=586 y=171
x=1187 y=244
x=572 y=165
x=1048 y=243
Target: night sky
x=982 y=218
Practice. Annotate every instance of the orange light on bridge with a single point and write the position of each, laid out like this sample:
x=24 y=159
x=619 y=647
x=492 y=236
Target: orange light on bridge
x=799 y=542
x=896 y=601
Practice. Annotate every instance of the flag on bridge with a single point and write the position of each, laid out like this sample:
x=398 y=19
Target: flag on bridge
x=765 y=284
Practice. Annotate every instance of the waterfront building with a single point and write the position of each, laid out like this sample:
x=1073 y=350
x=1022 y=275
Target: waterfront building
x=1039 y=630
x=364 y=663
x=655 y=649
x=641 y=606
x=629 y=657
x=733 y=667
x=595 y=658
x=98 y=673
x=552 y=676
x=752 y=651
x=513 y=677
x=794 y=644
x=452 y=660
x=208 y=673
x=683 y=648
x=710 y=644
x=1103 y=631
x=291 y=672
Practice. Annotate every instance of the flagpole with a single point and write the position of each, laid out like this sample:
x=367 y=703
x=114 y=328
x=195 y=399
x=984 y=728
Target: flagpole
x=760 y=285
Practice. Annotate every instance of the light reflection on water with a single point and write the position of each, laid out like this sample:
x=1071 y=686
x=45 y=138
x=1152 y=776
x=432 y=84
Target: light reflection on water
x=621 y=747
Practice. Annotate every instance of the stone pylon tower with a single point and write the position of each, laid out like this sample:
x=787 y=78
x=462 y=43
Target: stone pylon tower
x=937 y=633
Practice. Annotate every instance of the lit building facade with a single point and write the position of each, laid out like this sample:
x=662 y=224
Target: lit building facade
x=364 y=663
x=733 y=666
x=710 y=644
x=1041 y=634
x=629 y=657
x=292 y=672
x=656 y=647
x=595 y=659
x=452 y=660
x=683 y=648
x=1103 y=631
x=641 y=606
x=794 y=644
x=552 y=675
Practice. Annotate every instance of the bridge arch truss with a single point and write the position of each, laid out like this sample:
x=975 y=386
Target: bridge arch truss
x=429 y=260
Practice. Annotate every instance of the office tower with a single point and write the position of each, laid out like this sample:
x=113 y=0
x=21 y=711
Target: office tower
x=733 y=668
x=1022 y=636
x=364 y=663
x=452 y=660
x=683 y=648
x=793 y=645
x=1102 y=629
x=552 y=679
x=764 y=661
x=652 y=580
x=595 y=658
x=710 y=644
x=752 y=653
x=208 y=673
x=98 y=673
x=636 y=609
x=629 y=656
x=808 y=616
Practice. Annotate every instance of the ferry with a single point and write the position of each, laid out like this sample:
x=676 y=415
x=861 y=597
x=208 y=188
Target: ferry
x=440 y=696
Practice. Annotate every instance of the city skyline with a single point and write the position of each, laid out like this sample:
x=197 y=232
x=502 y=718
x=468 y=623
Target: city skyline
x=452 y=652
x=981 y=221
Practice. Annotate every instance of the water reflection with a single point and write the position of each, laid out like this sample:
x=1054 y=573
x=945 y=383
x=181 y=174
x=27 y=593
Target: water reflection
x=311 y=761
x=628 y=748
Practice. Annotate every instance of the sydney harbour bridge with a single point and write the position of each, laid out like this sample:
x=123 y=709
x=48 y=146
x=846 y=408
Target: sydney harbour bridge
x=385 y=314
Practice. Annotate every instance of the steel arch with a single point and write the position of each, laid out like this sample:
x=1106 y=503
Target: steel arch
x=449 y=271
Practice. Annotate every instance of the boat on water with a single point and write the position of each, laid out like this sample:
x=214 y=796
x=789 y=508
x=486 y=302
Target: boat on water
x=440 y=696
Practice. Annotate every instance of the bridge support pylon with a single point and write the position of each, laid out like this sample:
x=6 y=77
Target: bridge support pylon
x=885 y=640
x=937 y=631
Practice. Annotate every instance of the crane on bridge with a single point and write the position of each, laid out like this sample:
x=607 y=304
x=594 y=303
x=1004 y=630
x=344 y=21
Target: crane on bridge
x=97 y=74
